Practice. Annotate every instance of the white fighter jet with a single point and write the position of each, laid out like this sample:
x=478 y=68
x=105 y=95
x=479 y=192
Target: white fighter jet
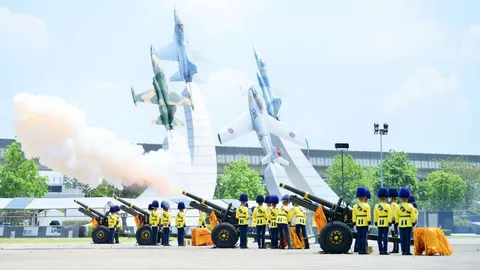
x=263 y=124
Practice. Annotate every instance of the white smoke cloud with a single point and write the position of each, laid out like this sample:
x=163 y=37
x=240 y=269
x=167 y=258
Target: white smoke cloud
x=58 y=134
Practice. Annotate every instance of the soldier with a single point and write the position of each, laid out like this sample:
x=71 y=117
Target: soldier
x=112 y=220
x=243 y=217
x=361 y=219
x=300 y=219
x=382 y=216
x=119 y=228
x=283 y=219
x=202 y=219
x=405 y=216
x=273 y=214
x=180 y=224
x=260 y=215
x=393 y=193
x=254 y=226
x=268 y=208
x=165 y=221
x=154 y=220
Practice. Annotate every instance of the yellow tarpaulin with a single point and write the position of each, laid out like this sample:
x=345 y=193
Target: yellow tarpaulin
x=201 y=237
x=320 y=219
x=213 y=220
x=431 y=241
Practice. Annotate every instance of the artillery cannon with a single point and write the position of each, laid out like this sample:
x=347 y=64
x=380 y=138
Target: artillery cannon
x=337 y=235
x=226 y=233
x=144 y=230
x=99 y=222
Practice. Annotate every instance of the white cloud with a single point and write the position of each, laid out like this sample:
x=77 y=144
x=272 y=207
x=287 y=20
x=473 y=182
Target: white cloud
x=428 y=87
x=20 y=31
x=471 y=42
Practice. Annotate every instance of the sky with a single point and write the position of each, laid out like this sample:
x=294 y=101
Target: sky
x=339 y=66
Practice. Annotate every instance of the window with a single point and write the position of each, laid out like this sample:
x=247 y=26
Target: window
x=417 y=163
x=255 y=160
x=221 y=159
x=321 y=161
x=229 y=158
x=328 y=161
x=374 y=162
x=431 y=165
x=313 y=161
x=249 y=159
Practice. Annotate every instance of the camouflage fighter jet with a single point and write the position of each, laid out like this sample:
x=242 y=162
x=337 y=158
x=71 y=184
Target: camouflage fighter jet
x=160 y=94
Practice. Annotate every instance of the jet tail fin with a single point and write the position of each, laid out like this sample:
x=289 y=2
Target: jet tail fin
x=266 y=159
x=177 y=77
x=192 y=68
x=277 y=103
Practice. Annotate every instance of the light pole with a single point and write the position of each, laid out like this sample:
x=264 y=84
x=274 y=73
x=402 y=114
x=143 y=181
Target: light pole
x=342 y=146
x=381 y=132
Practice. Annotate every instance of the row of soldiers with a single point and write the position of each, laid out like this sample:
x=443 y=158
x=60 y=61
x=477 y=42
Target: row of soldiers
x=387 y=214
x=164 y=220
x=276 y=219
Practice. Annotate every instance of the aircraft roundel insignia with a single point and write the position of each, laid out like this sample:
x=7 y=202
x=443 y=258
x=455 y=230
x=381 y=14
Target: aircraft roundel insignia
x=260 y=137
x=292 y=134
x=230 y=131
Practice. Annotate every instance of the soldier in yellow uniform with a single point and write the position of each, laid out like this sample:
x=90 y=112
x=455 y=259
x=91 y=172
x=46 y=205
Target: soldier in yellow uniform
x=300 y=219
x=368 y=197
x=273 y=214
x=268 y=207
x=405 y=217
x=202 y=220
x=165 y=221
x=260 y=215
x=393 y=194
x=382 y=216
x=283 y=220
x=361 y=219
x=180 y=224
x=154 y=220
x=119 y=228
x=112 y=221
x=243 y=218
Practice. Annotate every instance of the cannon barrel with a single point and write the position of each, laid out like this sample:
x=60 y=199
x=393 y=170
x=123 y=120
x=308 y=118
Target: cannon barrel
x=200 y=207
x=87 y=213
x=204 y=202
x=132 y=206
x=310 y=205
x=128 y=210
x=90 y=209
x=308 y=196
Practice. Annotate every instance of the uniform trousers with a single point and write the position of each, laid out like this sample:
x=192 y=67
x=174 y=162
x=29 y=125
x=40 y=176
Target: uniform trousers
x=154 y=235
x=395 y=234
x=166 y=237
x=405 y=236
x=261 y=235
x=243 y=235
x=111 y=235
x=181 y=236
x=301 y=231
x=274 y=237
x=382 y=239
x=284 y=231
x=362 y=239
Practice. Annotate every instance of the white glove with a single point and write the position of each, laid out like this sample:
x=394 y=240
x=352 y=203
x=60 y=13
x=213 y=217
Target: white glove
x=392 y=227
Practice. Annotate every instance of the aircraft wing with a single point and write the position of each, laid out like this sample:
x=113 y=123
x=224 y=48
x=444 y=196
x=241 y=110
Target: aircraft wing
x=148 y=96
x=284 y=131
x=239 y=127
x=178 y=100
x=168 y=53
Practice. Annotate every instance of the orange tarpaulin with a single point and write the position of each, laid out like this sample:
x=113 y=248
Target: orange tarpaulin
x=213 y=220
x=294 y=240
x=201 y=237
x=320 y=219
x=431 y=241
x=138 y=222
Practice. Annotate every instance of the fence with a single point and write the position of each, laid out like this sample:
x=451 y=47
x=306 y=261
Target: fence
x=42 y=231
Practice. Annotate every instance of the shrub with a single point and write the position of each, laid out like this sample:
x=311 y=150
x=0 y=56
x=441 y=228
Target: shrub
x=75 y=222
x=89 y=230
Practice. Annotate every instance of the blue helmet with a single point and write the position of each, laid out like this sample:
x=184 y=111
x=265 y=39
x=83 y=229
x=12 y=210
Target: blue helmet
x=150 y=207
x=274 y=199
x=112 y=209
x=382 y=192
x=181 y=205
x=267 y=199
x=165 y=205
x=361 y=192
x=260 y=198
x=414 y=205
x=285 y=197
x=243 y=197
x=117 y=208
x=393 y=192
x=369 y=196
x=411 y=199
x=404 y=193
x=155 y=204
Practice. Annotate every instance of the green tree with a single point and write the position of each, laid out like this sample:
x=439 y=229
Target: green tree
x=354 y=176
x=19 y=177
x=470 y=173
x=397 y=172
x=445 y=191
x=104 y=190
x=132 y=191
x=238 y=179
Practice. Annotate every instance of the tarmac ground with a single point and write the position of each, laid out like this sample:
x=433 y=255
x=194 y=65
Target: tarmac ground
x=74 y=256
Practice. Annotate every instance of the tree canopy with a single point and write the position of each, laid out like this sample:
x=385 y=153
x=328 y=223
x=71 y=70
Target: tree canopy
x=238 y=179
x=397 y=172
x=19 y=176
x=104 y=189
x=354 y=176
x=445 y=191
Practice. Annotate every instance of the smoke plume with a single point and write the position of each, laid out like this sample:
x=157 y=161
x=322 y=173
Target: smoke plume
x=56 y=132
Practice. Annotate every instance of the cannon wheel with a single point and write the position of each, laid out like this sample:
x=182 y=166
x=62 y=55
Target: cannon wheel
x=224 y=235
x=336 y=238
x=144 y=235
x=100 y=235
